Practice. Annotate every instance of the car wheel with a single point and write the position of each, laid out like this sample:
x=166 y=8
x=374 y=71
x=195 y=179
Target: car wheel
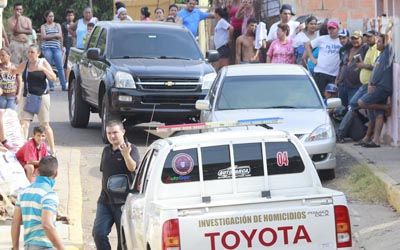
x=79 y=110
x=106 y=116
x=327 y=174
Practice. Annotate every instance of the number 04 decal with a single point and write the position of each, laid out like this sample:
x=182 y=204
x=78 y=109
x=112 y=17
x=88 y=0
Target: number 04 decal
x=282 y=159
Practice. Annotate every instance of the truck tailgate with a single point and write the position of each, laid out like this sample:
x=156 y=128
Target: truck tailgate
x=299 y=227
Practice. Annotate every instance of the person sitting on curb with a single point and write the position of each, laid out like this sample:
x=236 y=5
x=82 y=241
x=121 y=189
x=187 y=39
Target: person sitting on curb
x=380 y=88
x=331 y=91
x=36 y=209
x=32 y=152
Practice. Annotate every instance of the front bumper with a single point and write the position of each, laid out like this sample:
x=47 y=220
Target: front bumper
x=134 y=102
x=323 y=153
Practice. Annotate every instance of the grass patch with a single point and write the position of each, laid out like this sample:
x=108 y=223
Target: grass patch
x=362 y=184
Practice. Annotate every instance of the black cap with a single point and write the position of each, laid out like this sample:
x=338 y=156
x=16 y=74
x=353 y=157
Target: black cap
x=371 y=33
x=287 y=7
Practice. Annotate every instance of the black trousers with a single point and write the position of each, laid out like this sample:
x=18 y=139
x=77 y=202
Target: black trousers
x=322 y=80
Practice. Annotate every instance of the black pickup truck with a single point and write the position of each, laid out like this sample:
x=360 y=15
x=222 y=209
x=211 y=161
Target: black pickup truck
x=137 y=72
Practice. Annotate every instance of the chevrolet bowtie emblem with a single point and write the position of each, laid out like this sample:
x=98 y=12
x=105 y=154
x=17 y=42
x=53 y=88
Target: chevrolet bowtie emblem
x=169 y=84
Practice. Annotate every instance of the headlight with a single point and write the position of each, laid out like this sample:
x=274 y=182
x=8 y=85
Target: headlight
x=321 y=133
x=208 y=80
x=124 y=80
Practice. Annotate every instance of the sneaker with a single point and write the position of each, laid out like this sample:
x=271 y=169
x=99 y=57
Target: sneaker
x=340 y=140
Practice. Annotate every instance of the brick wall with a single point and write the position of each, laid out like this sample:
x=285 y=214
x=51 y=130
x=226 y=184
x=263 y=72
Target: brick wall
x=349 y=12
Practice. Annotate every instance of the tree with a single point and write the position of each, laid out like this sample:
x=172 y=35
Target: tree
x=35 y=9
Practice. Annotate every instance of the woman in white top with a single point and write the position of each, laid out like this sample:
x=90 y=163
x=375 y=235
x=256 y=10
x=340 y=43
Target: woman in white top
x=308 y=34
x=222 y=37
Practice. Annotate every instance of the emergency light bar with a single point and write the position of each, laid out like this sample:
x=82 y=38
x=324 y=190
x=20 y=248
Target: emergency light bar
x=222 y=124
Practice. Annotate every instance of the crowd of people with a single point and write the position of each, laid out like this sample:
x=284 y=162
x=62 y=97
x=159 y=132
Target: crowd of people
x=356 y=65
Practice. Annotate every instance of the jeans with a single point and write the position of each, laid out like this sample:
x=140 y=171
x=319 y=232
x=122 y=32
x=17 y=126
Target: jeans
x=54 y=57
x=106 y=216
x=346 y=93
x=345 y=124
x=8 y=102
x=360 y=92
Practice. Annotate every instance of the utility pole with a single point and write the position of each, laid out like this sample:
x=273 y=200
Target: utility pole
x=91 y=4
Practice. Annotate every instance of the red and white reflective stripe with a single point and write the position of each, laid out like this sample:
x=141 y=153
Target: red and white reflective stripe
x=343 y=227
x=222 y=124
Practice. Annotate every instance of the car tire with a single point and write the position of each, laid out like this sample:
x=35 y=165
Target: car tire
x=106 y=116
x=327 y=174
x=79 y=110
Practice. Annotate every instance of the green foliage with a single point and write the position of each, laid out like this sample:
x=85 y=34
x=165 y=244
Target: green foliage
x=35 y=9
x=363 y=184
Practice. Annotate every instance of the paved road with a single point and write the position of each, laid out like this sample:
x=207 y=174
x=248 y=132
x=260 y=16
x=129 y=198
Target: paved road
x=375 y=226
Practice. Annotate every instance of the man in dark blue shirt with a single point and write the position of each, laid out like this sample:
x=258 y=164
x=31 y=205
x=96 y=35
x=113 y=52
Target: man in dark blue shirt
x=191 y=16
x=379 y=89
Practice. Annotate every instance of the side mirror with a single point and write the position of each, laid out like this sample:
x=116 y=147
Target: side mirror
x=212 y=55
x=332 y=103
x=203 y=105
x=118 y=188
x=93 y=54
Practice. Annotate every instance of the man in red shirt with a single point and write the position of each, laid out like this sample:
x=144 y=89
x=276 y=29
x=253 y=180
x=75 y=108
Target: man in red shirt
x=32 y=151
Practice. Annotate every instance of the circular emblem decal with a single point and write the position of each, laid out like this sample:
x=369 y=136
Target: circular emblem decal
x=182 y=164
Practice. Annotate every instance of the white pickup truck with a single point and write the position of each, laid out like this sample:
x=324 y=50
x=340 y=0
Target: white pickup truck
x=232 y=190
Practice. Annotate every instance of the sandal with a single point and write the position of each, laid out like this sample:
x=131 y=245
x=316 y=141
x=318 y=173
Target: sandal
x=360 y=143
x=371 y=145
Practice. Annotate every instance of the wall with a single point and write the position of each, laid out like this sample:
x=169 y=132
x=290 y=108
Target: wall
x=391 y=131
x=349 y=12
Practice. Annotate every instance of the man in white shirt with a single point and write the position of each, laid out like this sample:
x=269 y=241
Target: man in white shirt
x=327 y=64
x=286 y=14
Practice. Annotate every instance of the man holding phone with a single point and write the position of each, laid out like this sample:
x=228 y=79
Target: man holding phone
x=120 y=157
x=349 y=77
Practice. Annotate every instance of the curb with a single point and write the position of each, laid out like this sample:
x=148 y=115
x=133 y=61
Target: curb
x=75 y=201
x=392 y=188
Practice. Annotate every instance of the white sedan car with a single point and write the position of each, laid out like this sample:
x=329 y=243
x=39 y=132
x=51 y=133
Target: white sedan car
x=251 y=91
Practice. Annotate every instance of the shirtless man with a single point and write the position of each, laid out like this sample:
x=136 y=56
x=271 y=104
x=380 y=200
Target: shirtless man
x=245 y=50
x=20 y=27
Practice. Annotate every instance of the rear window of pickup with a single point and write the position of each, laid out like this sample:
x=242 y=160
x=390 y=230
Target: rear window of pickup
x=183 y=165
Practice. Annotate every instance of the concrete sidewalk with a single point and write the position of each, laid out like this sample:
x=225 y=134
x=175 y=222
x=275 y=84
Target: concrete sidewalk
x=69 y=190
x=385 y=164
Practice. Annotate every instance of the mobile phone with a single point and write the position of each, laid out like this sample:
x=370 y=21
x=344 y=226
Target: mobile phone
x=358 y=58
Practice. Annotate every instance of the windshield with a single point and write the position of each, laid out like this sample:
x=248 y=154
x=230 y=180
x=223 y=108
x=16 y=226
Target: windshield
x=151 y=43
x=263 y=92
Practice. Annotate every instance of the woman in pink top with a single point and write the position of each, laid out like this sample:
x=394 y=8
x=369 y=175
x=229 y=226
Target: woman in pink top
x=281 y=49
x=233 y=7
